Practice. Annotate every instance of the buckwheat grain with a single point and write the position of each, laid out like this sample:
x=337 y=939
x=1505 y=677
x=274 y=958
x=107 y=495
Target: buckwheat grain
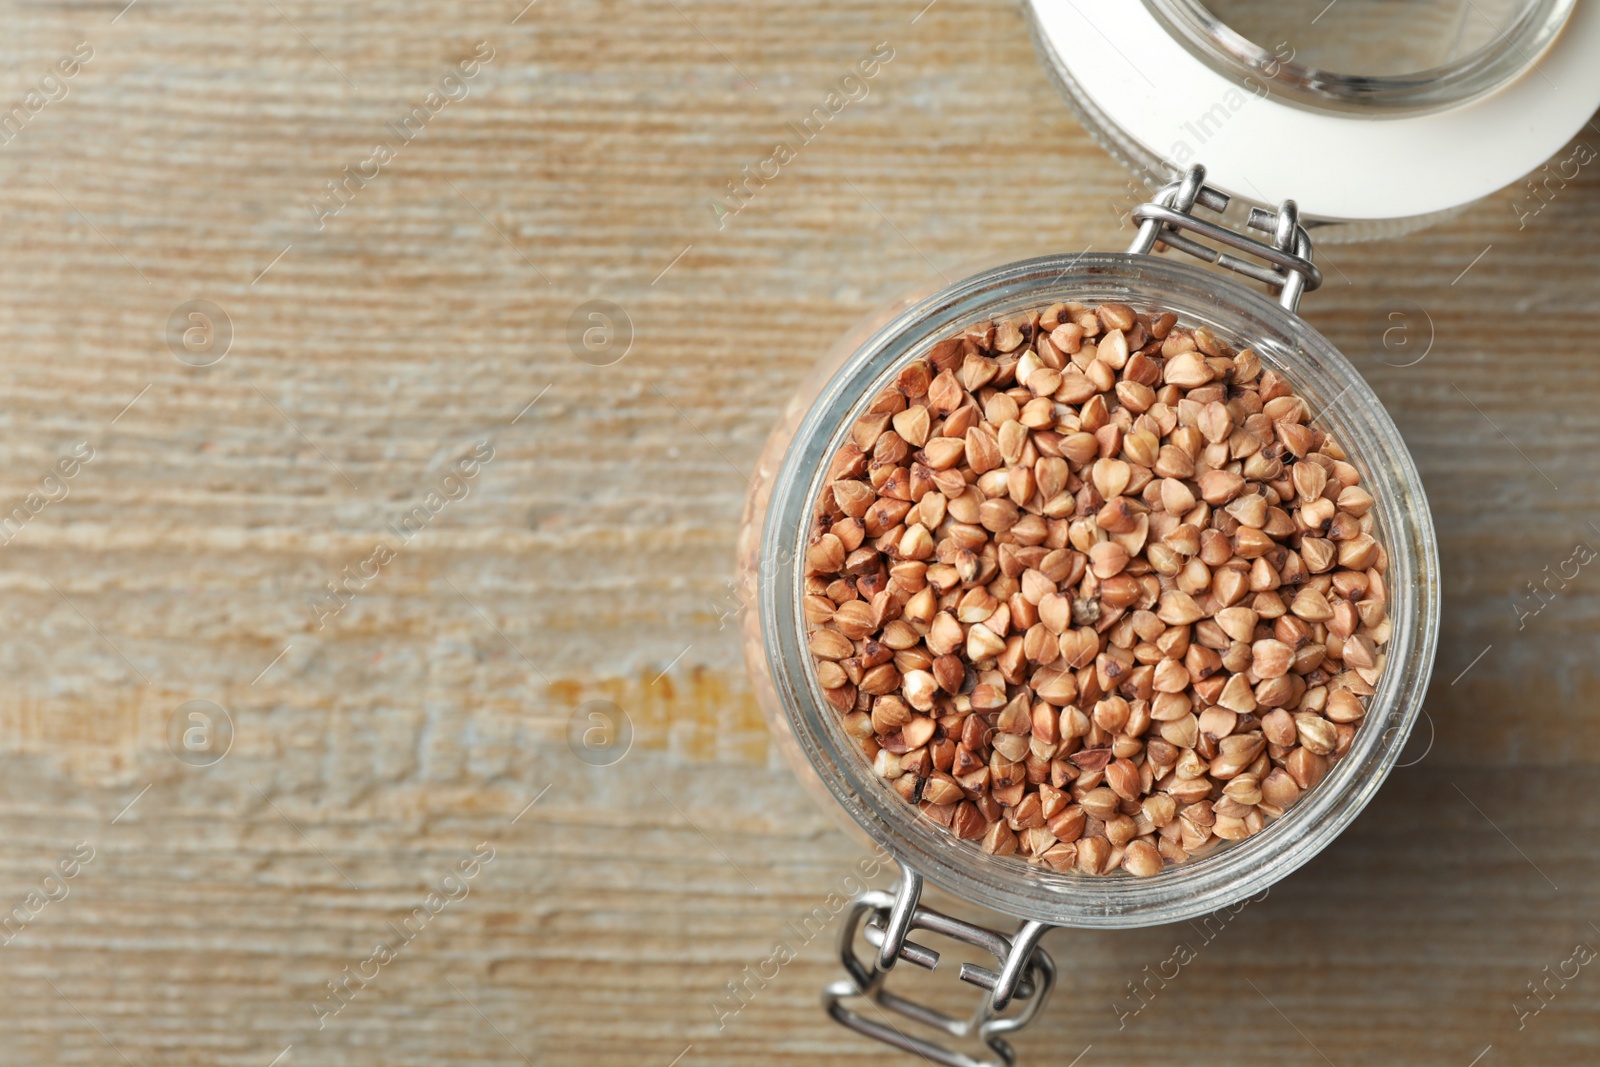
x=1089 y=588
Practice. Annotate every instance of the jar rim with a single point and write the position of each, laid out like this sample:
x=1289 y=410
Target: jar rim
x=1359 y=422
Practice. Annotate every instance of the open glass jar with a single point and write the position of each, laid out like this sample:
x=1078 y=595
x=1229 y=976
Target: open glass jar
x=779 y=520
x=779 y=523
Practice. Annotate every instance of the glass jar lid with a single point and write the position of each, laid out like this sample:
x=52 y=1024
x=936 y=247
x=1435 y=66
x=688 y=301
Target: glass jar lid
x=1362 y=113
x=1372 y=56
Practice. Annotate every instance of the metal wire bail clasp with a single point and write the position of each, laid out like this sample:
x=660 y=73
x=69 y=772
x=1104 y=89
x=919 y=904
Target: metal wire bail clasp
x=1169 y=219
x=1026 y=974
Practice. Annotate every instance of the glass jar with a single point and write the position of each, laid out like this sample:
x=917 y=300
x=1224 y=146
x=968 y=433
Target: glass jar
x=778 y=520
x=1376 y=152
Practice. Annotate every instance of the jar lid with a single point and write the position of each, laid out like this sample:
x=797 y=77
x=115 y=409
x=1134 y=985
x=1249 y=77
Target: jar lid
x=1166 y=83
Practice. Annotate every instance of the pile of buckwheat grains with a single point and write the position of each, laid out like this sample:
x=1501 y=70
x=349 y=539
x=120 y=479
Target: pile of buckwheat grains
x=1089 y=589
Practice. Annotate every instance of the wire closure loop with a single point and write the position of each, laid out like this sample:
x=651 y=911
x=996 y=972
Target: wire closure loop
x=1025 y=975
x=1169 y=219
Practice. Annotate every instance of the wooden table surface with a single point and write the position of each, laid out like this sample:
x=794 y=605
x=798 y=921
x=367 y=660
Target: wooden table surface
x=378 y=740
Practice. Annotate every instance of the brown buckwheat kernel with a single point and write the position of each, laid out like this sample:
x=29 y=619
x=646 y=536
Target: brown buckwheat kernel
x=1089 y=588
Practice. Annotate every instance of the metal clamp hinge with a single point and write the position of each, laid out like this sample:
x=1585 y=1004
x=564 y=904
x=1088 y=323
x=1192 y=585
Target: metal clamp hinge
x=1284 y=265
x=1025 y=975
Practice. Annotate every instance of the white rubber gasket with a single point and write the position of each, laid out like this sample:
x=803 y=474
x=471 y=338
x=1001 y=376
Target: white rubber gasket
x=1335 y=165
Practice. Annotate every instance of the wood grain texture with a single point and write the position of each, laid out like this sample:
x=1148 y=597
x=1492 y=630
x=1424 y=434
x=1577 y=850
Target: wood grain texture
x=590 y=557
